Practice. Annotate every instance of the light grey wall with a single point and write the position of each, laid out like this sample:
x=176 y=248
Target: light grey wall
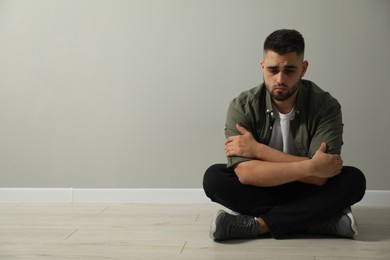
x=133 y=94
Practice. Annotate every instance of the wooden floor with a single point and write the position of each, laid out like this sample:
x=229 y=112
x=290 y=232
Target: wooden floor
x=166 y=231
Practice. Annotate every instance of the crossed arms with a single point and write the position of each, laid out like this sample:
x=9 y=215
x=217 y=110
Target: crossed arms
x=271 y=167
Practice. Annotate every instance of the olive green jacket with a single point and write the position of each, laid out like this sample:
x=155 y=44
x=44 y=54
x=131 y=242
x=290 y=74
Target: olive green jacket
x=317 y=119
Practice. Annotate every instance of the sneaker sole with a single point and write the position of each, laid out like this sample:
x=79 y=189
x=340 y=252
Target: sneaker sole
x=353 y=223
x=213 y=226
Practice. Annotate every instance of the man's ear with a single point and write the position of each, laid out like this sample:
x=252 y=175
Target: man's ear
x=262 y=64
x=305 y=65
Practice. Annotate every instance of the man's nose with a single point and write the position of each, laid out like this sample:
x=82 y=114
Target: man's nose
x=280 y=78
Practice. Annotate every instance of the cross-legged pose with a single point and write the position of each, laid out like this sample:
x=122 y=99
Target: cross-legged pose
x=284 y=173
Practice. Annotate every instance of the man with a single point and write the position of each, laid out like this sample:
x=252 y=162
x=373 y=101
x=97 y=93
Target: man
x=283 y=142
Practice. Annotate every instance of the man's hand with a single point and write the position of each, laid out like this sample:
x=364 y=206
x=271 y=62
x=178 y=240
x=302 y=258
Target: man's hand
x=243 y=145
x=325 y=165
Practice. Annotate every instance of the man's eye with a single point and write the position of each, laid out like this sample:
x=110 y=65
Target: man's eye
x=288 y=71
x=273 y=71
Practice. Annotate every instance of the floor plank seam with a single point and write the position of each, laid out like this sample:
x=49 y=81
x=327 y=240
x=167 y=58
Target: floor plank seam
x=183 y=247
x=197 y=217
x=71 y=234
x=103 y=210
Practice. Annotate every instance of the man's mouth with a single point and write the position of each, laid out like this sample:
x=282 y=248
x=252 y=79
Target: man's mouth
x=280 y=87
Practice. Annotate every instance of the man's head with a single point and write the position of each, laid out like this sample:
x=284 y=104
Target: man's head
x=283 y=65
x=284 y=41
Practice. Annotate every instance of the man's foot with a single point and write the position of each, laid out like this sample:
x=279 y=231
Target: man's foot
x=342 y=226
x=228 y=226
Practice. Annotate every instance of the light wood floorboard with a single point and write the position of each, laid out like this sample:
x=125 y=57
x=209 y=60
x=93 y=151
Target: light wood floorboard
x=166 y=231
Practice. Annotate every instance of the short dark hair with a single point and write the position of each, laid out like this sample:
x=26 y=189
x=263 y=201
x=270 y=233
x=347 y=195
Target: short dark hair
x=284 y=41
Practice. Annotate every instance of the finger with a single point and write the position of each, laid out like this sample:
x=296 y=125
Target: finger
x=339 y=159
x=322 y=147
x=241 y=129
x=228 y=147
x=229 y=152
x=229 y=140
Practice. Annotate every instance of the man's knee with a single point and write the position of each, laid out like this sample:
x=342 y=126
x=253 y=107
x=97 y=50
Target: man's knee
x=356 y=177
x=211 y=176
x=356 y=181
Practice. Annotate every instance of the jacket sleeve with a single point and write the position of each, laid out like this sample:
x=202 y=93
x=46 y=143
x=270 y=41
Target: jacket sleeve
x=329 y=127
x=236 y=115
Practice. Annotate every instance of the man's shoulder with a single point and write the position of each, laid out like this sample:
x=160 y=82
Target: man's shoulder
x=317 y=95
x=249 y=96
x=310 y=86
x=312 y=89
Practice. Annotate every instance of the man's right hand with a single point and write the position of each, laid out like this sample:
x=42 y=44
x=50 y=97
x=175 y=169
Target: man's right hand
x=243 y=145
x=325 y=165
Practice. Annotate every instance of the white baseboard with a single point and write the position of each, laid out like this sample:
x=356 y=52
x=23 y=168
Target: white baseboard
x=71 y=195
x=376 y=198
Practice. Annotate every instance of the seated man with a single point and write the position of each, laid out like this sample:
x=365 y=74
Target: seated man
x=284 y=172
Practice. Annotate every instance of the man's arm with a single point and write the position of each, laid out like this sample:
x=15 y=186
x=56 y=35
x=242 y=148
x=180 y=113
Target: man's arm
x=245 y=145
x=273 y=167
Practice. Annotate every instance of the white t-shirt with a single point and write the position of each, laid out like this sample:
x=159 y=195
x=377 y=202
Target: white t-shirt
x=281 y=138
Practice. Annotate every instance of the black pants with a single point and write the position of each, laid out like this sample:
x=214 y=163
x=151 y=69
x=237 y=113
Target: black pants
x=289 y=207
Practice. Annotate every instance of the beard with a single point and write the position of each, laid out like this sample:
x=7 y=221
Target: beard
x=281 y=92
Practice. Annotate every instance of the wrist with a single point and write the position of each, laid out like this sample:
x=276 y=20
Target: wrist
x=259 y=151
x=309 y=168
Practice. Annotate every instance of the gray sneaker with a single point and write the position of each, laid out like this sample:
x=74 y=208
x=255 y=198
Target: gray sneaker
x=342 y=226
x=228 y=226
